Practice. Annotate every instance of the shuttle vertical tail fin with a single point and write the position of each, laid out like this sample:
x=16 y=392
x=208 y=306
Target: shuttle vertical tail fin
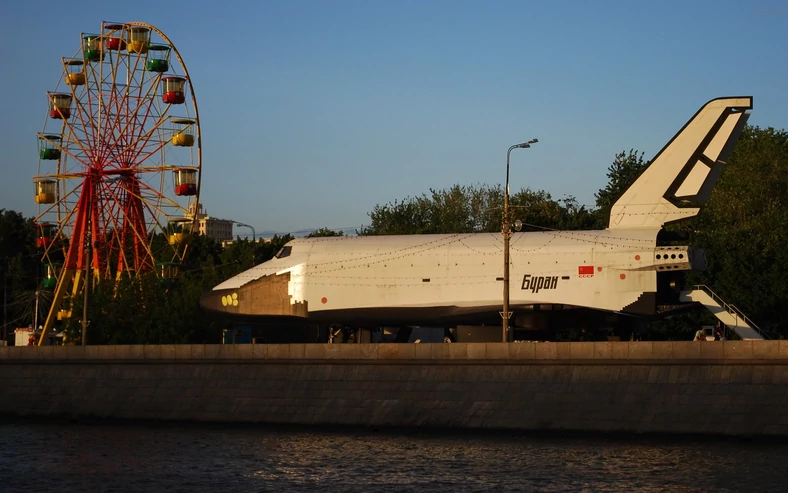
x=686 y=169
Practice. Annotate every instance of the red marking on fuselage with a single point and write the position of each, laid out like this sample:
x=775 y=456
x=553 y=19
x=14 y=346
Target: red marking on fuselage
x=585 y=271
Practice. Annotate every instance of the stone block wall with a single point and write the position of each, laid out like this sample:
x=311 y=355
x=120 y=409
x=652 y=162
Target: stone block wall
x=730 y=387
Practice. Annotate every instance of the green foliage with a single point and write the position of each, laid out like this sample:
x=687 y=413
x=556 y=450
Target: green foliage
x=539 y=211
x=454 y=210
x=744 y=229
x=20 y=269
x=148 y=310
x=144 y=310
x=324 y=232
x=575 y=216
x=467 y=209
x=626 y=168
x=17 y=234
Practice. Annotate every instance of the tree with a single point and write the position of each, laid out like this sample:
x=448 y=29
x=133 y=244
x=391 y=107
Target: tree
x=626 y=168
x=399 y=218
x=324 y=232
x=575 y=216
x=539 y=211
x=468 y=209
x=744 y=229
x=19 y=269
x=17 y=234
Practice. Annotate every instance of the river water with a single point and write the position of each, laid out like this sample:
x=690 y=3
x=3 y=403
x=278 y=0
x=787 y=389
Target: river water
x=40 y=456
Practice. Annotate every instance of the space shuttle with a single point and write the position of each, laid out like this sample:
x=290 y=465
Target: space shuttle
x=633 y=267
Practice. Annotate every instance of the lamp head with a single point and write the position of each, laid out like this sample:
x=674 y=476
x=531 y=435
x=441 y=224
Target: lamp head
x=526 y=145
x=518 y=225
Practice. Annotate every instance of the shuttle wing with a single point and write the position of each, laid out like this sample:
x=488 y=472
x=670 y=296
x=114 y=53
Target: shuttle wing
x=685 y=170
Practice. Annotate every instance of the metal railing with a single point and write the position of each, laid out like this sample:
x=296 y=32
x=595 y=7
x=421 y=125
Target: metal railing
x=733 y=310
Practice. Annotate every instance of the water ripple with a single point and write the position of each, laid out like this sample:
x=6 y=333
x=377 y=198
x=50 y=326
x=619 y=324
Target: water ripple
x=144 y=457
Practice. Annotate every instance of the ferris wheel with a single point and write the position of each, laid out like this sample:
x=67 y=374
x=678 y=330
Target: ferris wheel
x=119 y=164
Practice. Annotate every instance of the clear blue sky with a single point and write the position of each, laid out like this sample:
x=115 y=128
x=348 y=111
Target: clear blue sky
x=313 y=112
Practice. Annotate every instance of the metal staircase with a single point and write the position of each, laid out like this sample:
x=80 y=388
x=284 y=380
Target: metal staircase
x=729 y=315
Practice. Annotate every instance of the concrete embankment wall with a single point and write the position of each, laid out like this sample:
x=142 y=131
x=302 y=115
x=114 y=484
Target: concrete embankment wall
x=731 y=387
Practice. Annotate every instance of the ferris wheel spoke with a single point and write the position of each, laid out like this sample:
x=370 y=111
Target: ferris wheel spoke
x=93 y=103
x=111 y=123
x=139 y=153
x=135 y=141
x=144 y=92
x=132 y=152
x=163 y=198
x=126 y=107
x=120 y=128
x=107 y=91
x=89 y=106
x=112 y=149
x=155 y=210
x=85 y=142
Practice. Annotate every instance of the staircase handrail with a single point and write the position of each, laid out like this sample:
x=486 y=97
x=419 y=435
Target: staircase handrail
x=765 y=333
x=732 y=309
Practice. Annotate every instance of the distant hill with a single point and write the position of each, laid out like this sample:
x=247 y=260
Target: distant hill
x=348 y=231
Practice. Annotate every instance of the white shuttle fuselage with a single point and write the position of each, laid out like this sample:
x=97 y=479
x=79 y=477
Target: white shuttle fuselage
x=430 y=277
x=458 y=278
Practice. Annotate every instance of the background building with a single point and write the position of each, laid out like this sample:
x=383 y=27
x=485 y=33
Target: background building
x=213 y=227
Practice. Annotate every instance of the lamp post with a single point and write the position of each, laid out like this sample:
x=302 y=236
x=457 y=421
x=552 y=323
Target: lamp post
x=506 y=231
x=5 y=299
x=253 y=237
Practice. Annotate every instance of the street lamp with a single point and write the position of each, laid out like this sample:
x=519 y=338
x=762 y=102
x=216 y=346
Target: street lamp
x=253 y=237
x=506 y=231
x=5 y=299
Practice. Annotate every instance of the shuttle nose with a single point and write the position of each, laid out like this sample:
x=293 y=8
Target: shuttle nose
x=221 y=300
x=266 y=296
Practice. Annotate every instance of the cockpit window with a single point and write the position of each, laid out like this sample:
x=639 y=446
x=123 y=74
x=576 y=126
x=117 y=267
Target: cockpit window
x=284 y=252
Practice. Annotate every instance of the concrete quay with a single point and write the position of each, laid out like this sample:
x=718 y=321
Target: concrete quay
x=735 y=388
